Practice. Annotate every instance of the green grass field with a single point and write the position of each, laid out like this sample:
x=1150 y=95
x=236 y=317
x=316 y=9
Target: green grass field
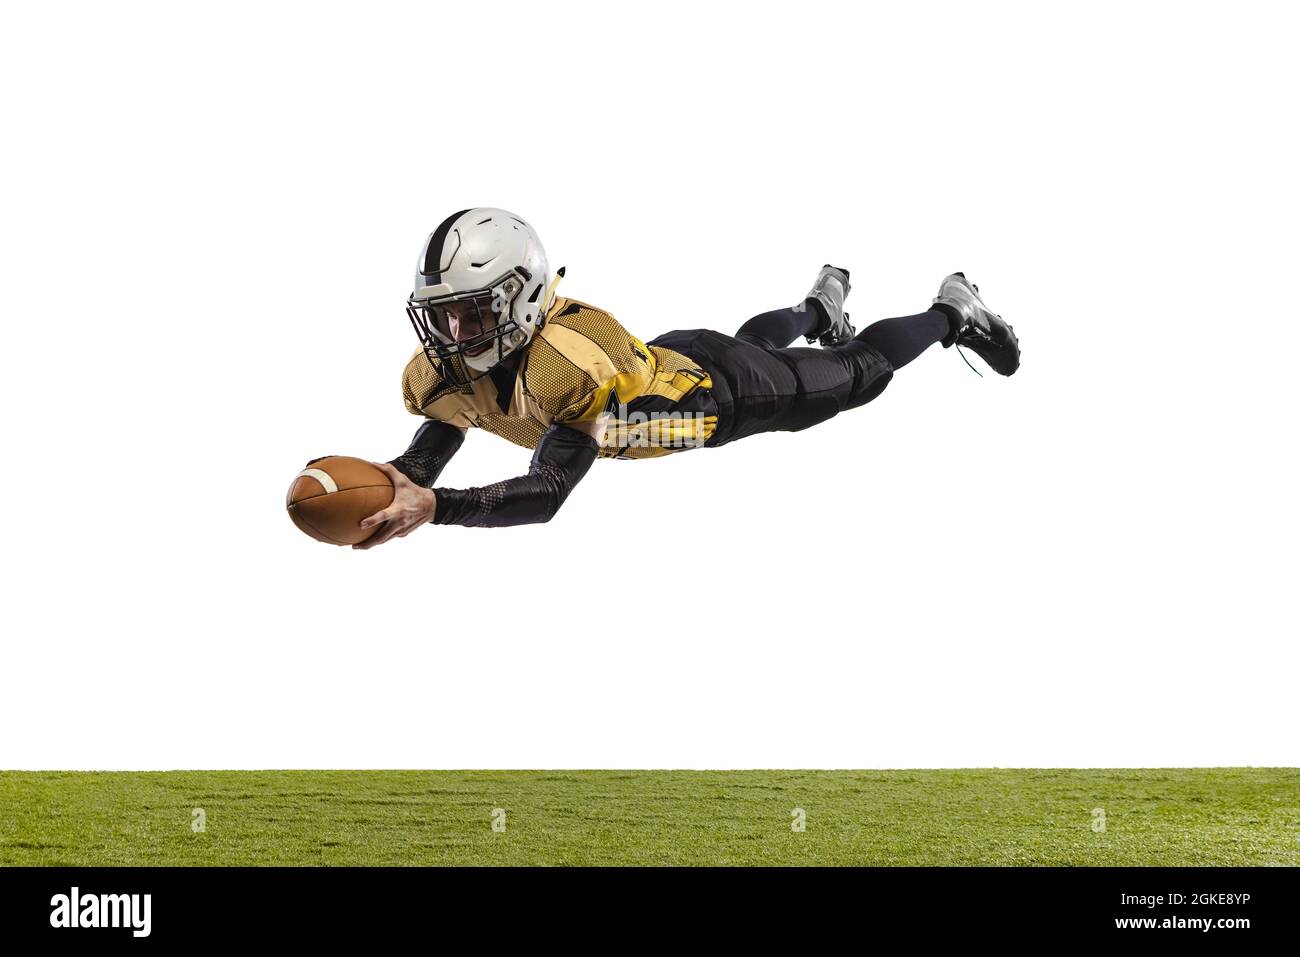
x=1038 y=817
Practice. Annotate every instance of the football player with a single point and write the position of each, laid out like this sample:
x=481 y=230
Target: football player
x=501 y=352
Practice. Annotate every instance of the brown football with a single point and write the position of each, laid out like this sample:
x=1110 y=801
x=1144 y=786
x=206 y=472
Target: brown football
x=330 y=497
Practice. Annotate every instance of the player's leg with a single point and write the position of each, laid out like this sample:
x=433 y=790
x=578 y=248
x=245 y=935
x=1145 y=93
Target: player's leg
x=821 y=316
x=765 y=389
x=902 y=339
x=852 y=373
x=780 y=327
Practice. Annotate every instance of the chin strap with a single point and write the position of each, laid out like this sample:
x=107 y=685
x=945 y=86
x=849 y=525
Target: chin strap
x=550 y=290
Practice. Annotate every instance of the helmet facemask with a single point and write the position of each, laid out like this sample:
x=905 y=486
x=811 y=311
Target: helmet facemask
x=467 y=333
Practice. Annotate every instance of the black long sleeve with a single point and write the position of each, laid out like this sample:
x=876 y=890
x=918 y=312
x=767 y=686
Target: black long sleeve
x=431 y=449
x=562 y=458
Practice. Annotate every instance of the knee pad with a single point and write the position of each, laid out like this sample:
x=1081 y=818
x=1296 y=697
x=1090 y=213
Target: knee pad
x=869 y=369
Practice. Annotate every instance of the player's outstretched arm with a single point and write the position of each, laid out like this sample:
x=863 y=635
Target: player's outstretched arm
x=561 y=459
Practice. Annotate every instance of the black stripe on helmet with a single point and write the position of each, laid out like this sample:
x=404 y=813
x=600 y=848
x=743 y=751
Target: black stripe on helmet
x=432 y=271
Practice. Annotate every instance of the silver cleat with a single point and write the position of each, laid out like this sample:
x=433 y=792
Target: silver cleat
x=831 y=289
x=976 y=326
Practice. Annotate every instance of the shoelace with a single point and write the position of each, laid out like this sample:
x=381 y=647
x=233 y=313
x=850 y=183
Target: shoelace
x=961 y=352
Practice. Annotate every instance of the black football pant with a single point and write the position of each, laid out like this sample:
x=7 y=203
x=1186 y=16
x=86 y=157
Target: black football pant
x=760 y=384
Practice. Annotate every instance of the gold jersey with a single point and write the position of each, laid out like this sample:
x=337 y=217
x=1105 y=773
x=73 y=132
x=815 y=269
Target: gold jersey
x=580 y=365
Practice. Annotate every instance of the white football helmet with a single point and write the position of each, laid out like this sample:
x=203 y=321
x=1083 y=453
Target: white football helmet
x=480 y=287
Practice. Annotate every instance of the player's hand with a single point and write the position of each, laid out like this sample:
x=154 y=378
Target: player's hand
x=412 y=507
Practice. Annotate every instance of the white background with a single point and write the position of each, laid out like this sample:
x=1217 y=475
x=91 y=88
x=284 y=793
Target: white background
x=210 y=220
